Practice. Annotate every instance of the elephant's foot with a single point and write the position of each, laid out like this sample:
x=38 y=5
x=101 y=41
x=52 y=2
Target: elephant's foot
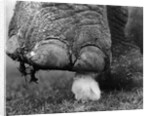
x=86 y=88
x=52 y=54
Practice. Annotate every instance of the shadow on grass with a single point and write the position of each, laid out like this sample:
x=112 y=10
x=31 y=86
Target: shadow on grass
x=126 y=72
x=121 y=81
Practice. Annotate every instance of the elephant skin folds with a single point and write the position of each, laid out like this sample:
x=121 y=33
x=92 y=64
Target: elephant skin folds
x=68 y=28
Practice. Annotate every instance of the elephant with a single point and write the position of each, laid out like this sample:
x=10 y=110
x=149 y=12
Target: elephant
x=134 y=26
x=126 y=26
x=61 y=36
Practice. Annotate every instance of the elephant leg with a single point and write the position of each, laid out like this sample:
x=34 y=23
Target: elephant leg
x=134 y=26
x=85 y=87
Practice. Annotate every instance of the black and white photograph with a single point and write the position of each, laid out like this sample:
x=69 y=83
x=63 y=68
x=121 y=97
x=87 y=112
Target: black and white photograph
x=73 y=57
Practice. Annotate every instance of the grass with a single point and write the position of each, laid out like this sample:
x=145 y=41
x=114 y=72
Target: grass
x=123 y=91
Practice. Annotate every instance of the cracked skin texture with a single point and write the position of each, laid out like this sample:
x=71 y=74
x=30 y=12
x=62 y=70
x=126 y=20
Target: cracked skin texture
x=60 y=36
